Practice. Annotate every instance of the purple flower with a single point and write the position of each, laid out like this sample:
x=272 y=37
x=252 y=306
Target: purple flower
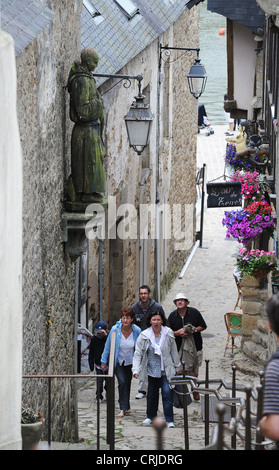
x=244 y=226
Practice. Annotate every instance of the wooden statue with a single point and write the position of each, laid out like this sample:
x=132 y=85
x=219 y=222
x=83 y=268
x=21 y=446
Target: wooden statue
x=87 y=181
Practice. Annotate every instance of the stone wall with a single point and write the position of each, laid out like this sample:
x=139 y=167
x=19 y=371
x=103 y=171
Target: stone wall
x=49 y=277
x=254 y=291
x=183 y=140
x=258 y=342
x=127 y=188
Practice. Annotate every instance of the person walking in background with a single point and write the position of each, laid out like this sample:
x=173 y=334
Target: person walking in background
x=125 y=339
x=229 y=120
x=187 y=324
x=156 y=355
x=142 y=308
x=96 y=348
x=269 y=424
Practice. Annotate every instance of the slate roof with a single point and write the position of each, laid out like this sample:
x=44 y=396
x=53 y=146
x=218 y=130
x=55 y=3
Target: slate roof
x=245 y=12
x=105 y=25
x=23 y=20
x=192 y=3
x=118 y=39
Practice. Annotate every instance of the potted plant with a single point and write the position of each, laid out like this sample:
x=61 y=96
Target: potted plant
x=247 y=224
x=232 y=161
x=31 y=428
x=255 y=263
x=235 y=162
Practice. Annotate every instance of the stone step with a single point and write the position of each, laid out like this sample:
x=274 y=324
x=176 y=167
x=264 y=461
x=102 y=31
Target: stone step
x=256 y=352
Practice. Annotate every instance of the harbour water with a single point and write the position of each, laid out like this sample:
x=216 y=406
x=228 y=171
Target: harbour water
x=213 y=54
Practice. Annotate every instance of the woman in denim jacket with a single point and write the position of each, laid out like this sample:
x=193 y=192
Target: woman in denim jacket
x=125 y=340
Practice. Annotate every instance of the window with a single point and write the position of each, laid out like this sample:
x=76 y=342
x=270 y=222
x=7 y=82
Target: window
x=129 y=8
x=97 y=17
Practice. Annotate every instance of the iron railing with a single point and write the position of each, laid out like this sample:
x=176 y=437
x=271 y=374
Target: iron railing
x=241 y=413
x=240 y=406
x=110 y=394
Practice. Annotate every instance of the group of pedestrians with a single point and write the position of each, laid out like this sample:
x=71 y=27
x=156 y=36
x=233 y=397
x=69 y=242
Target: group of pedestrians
x=151 y=351
x=150 y=348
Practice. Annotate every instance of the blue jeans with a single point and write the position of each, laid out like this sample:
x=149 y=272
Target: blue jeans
x=124 y=378
x=154 y=384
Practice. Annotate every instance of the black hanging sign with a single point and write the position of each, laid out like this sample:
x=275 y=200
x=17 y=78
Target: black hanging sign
x=224 y=194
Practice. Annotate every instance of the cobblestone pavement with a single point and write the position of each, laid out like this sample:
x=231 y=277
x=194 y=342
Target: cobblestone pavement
x=210 y=287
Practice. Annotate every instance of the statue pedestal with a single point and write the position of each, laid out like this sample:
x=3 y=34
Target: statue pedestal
x=74 y=235
x=82 y=206
x=76 y=219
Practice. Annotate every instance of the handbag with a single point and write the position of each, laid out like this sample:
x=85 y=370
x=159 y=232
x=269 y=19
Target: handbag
x=178 y=394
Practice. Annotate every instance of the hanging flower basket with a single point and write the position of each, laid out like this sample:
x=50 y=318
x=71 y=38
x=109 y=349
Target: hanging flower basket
x=261 y=217
x=247 y=224
x=253 y=184
x=255 y=263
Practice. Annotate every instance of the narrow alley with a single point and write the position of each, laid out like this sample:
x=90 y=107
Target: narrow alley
x=209 y=284
x=118 y=118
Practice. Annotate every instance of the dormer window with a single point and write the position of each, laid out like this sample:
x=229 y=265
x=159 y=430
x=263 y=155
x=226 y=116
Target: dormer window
x=97 y=17
x=128 y=7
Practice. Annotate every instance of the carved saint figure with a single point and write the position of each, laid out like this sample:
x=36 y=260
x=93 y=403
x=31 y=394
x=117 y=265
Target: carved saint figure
x=87 y=148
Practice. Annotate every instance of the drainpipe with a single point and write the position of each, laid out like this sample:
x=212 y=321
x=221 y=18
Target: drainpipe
x=157 y=195
x=76 y=358
x=100 y=279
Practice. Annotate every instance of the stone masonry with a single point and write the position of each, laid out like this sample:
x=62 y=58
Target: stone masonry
x=49 y=321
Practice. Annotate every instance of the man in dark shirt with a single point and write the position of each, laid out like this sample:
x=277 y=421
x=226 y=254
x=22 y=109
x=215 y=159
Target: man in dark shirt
x=178 y=319
x=142 y=308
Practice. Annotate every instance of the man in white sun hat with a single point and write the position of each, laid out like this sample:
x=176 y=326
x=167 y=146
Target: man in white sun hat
x=187 y=324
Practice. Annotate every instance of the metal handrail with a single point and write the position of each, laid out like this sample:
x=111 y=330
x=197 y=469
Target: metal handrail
x=237 y=404
x=110 y=393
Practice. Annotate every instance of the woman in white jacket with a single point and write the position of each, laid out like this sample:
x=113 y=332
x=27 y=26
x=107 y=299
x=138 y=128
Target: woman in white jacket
x=156 y=356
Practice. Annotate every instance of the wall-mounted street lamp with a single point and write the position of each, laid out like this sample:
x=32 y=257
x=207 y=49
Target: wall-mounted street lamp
x=139 y=117
x=197 y=76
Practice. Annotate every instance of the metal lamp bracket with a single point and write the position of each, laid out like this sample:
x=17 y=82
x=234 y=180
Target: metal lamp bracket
x=127 y=83
x=167 y=50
